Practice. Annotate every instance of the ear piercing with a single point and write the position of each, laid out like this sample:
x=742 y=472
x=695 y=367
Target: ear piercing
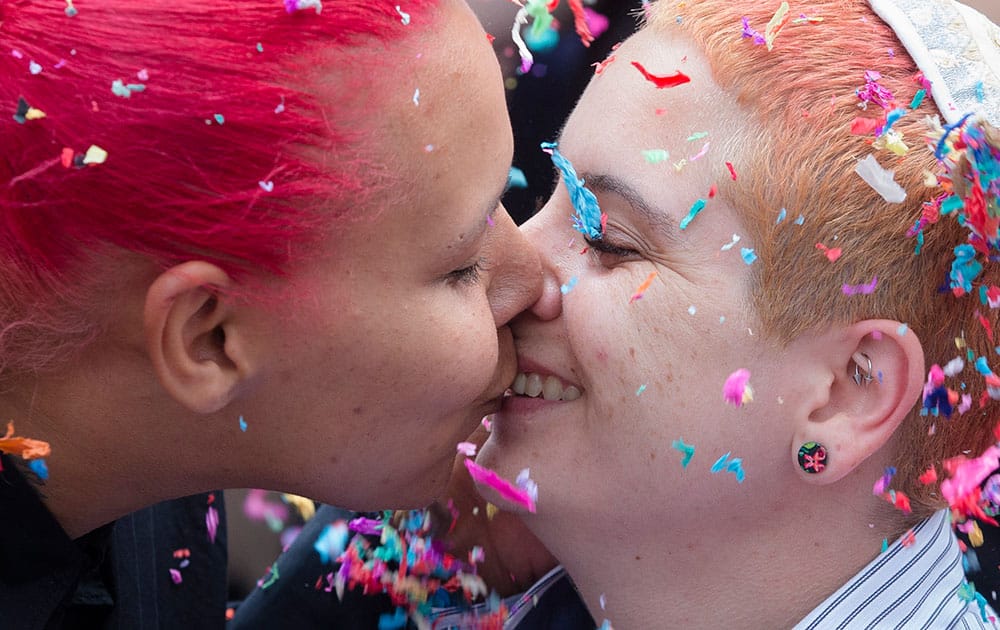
x=858 y=376
x=812 y=457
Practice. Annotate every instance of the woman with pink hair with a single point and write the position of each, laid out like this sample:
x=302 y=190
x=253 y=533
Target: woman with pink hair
x=243 y=244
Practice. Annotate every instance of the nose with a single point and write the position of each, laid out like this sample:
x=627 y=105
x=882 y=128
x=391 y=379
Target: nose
x=542 y=238
x=517 y=283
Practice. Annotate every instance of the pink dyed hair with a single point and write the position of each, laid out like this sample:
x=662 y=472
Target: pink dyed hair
x=184 y=156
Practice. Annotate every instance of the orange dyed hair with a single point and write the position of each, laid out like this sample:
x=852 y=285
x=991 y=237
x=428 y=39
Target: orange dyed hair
x=802 y=157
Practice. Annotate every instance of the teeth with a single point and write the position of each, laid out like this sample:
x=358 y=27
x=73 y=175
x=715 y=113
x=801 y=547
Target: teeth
x=534 y=386
x=550 y=388
x=520 y=383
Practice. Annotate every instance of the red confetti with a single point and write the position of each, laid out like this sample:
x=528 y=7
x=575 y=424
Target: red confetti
x=712 y=191
x=986 y=324
x=660 y=111
x=832 y=253
x=929 y=476
x=663 y=81
x=67 y=157
x=732 y=170
x=861 y=126
x=580 y=22
x=909 y=538
x=490 y=38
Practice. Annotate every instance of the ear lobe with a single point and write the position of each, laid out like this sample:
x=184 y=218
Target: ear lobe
x=857 y=416
x=187 y=325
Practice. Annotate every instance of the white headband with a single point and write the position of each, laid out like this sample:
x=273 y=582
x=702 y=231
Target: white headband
x=956 y=47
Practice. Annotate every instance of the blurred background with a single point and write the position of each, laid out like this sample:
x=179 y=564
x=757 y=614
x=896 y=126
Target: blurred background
x=259 y=522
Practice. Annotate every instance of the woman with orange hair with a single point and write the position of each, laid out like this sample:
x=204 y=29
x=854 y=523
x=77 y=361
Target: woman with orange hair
x=783 y=302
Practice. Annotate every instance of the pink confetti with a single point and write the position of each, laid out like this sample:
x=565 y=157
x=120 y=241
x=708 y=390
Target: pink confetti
x=467 y=448
x=967 y=474
x=861 y=289
x=212 y=523
x=507 y=490
x=736 y=391
x=175 y=576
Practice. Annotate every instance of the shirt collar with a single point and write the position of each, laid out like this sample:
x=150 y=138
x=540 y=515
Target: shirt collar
x=917 y=585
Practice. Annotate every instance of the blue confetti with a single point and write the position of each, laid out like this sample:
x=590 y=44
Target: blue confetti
x=983 y=366
x=891 y=118
x=920 y=243
x=569 y=286
x=800 y=220
x=918 y=98
x=980 y=92
x=219 y=118
x=516 y=178
x=781 y=216
x=396 y=621
x=39 y=467
x=902 y=329
x=697 y=207
x=641 y=389
x=734 y=465
x=243 y=425
x=686 y=449
x=965 y=268
x=588 y=211
x=749 y=256
x=331 y=542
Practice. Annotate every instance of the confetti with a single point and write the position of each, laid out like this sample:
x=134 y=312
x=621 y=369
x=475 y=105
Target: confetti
x=736 y=390
x=880 y=179
x=243 y=425
x=212 y=523
x=466 y=448
x=861 y=289
x=507 y=490
x=696 y=208
x=527 y=59
x=25 y=112
x=781 y=216
x=700 y=154
x=832 y=253
x=800 y=220
x=641 y=291
x=416 y=97
x=70 y=9
x=39 y=467
x=569 y=286
x=734 y=466
x=119 y=88
x=749 y=256
x=777 y=22
x=750 y=33
x=918 y=98
x=219 y=118
x=588 y=218
x=291 y=6
x=697 y=136
x=872 y=92
x=267 y=186
x=882 y=484
x=641 y=389
x=25 y=448
x=728 y=246
x=662 y=82
x=403 y=16
x=732 y=170
x=902 y=329
x=655 y=156
x=687 y=450
x=175 y=576
x=516 y=178
x=929 y=476
x=34 y=67
x=271 y=579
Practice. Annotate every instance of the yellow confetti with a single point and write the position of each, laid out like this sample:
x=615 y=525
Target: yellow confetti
x=95 y=155
x=780 y=18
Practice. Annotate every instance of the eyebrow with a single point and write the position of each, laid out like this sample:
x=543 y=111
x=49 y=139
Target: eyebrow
x=656 y=218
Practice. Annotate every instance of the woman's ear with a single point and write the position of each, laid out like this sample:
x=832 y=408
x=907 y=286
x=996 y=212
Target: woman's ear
x=872 y=376
x=197 y=350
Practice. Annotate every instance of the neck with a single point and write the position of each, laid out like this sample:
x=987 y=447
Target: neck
x=751 y=571
x=118 y=443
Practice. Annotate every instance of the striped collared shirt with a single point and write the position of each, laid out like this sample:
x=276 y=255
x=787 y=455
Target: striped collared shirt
x=915 y=586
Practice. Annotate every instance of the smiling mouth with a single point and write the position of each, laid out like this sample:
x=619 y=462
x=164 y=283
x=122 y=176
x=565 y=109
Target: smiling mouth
x=549 y=388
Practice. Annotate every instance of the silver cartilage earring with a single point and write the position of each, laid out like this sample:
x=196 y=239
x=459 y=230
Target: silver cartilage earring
x=858 y=376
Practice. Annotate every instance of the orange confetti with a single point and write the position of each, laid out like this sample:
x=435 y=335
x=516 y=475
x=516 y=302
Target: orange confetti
x=642 y=288
x=25 y=448
x=909 y=538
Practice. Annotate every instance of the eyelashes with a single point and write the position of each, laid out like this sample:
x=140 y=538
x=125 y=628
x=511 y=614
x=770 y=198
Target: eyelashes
x=467 y=275
x=604 y=247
